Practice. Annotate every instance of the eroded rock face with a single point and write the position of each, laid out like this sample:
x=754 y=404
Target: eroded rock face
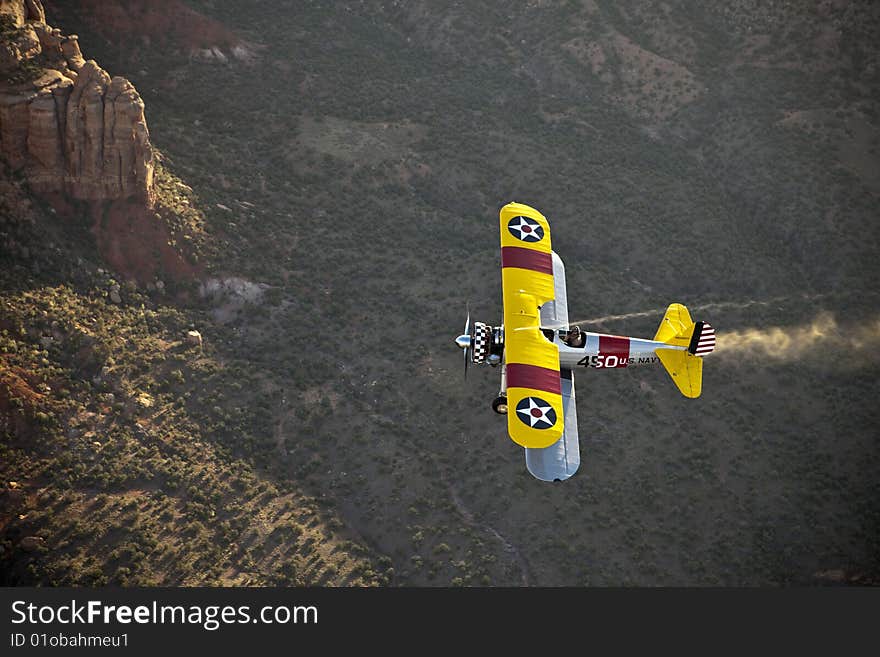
x=64 y=121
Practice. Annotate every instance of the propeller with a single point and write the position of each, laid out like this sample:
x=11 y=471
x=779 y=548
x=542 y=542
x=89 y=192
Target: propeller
x=466 y=340
x=467 y=332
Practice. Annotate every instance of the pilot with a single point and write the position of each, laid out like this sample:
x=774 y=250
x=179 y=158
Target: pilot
x=575 y=338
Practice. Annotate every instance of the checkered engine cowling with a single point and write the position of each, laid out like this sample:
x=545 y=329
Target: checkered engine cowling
x=482 y=343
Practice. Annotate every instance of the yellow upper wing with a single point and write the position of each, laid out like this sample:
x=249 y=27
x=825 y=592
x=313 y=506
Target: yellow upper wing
x=534 y=395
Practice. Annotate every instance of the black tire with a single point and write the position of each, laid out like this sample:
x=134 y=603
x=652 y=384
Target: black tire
x=499 y=405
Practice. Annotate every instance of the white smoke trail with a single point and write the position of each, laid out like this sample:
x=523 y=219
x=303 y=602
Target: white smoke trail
x=737 y=305
x=718 y=305
x=822 y=335
x=781 y=343
x=612 y=318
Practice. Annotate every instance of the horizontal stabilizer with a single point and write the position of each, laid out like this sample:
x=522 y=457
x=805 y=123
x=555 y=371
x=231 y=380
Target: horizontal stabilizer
x=679 y=331
x=676 y=327
x=686 y=370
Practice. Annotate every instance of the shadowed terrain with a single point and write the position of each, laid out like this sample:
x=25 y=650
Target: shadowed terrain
x=335 y=187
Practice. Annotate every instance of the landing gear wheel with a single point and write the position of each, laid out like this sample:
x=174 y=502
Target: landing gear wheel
x=500 y=405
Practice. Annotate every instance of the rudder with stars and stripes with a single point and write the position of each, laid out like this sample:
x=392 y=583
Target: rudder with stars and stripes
x=703 y=339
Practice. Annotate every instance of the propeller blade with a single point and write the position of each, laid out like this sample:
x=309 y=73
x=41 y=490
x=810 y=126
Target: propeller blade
x=467 y=331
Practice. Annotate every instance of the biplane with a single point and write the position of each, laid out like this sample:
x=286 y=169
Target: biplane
x=538 y=351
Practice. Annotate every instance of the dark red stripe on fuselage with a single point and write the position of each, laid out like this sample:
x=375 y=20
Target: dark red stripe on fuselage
x=516 y=256
x=612 y=345
x=520 y=375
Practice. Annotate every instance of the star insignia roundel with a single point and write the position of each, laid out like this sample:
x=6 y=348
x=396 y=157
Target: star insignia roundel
x=525 y=229
x=536 y=413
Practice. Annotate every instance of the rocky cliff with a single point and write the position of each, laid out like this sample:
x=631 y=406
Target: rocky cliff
x=64 y=122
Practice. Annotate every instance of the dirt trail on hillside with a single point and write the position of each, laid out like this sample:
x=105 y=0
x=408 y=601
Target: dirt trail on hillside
x=469 y=518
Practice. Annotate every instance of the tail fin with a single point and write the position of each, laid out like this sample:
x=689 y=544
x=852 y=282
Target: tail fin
x=692 y=341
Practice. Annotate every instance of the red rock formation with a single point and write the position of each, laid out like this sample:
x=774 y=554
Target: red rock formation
x=64 y=121
x=169 y=24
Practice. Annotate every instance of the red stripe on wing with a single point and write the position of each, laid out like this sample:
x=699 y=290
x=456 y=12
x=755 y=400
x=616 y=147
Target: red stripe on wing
x=520 y=375
x=517 y=256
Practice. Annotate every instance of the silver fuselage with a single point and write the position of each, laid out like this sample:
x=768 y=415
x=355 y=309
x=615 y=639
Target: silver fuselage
x=624 y=351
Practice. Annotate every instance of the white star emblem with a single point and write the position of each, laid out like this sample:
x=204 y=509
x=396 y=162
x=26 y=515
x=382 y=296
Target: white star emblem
x=536 y=413
x=525 y=229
